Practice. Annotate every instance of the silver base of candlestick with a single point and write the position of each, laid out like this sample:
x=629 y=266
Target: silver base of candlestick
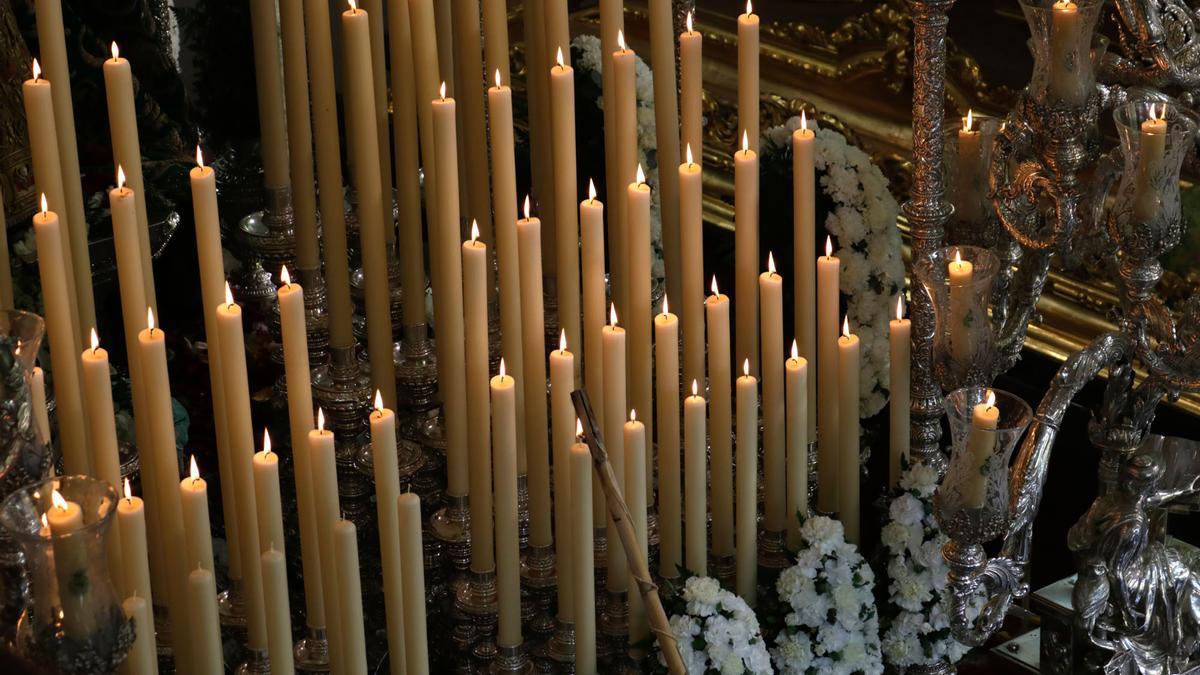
x=316 y=316
x=451 y=525
x=813 y=476
x=257 y=663
x=539 y=577
x=476 y=604
x=162 y=634
x=523 y=511
x=723 y=568
x=231 y=605
x=600 y=561
x=560 y=648
x=772 y=554
x=343 y=390
x=410 y=458
x=416 y=372
x=613 y=627
x=266 y=241
x=350 y=204
x=358 y=293
x=511 y=660
x=312 y=652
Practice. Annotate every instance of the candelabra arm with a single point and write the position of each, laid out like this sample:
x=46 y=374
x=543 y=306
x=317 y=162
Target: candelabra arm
x=1020 y=308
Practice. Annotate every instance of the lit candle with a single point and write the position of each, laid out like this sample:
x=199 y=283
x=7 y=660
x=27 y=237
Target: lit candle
x=562 y=379
x=614 y=437
x=206 y=635
x=266 y=497
x=582 y=556
x=617 y=175
x=474 y=264
x=53 y=271
x=70 y=564
x=566 y=217
x=425 y=51
x=666 y=370
x=635 y=494
x=495 y=41
x=508 y=555
x=105 y=460
x=720 y=386
x=299 y=135
x=797 y=443
x=406 y=146
x=747 y=485
x=533 y=330
x=379 y=82
x=193 y=496
x=746 y=251
x=848 y=439
x=143 y=655
x=967 y=176
x=591 y=224
x=624 y=116
x=279 y=615
x=666 y=140
x=387 y=491
x=804 y=218
x=354 y=652
x=770 y=287
x=131 y=518
x=691 y=243
x=540 y=126
x=691 y=88
x=899 y=335
x=268 y=84
x=747 y=43
x=468 y=63
x=961 y=279
x=695 y=510
x=641 y=368
x=981 y=443
x=1066 y=81
x=1146 y=200
x=828 y=278
x=37 y=397
x=323 y=462
x=416 y=647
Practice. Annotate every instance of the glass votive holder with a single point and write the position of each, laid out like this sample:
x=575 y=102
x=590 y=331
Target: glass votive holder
x=72 y=618
x=971 y=503
x=1146 y=218
x=968 y=156
x=958 y=281
x=1064 y=70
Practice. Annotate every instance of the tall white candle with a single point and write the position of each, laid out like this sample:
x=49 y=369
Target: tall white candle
x=804 y=257
x=640 y=364
x=582 y=556
x=670 y=516
x=828 y=273
x=508 y=558
x=899 y=336
x=796 y=376
x=387 y=491
x=848 y=443
x=745 y=289
x=614 y=438
x=635 y=495
x=562 y=381
x=770 y=286
x=720 y=385
x=474 y=263
x=747 y=487
x=537 y=450
x=695 y=508
x=748 y=84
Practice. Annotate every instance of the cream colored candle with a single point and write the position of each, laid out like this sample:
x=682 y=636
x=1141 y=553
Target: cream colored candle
x=967 y=179
x=446 y=257
x=745 y=290
x=266 y=497
x=691 y=89
x=106 y=462
x=641 y=365
x=279 y=614
x=412 y=562
x=193 y=497
x=747 y=74
x=1153 y=136
x=143 y=655
x=364 y=165
x=405 y=143
x=131 y=518
x=53 y=271
x=537 y=89
x=636 y=490
x=562 y=382
x=720 y=384
x=300 y=422
x=208 y=659
x=495 y=40
x=981 y=443
x=691 y=243
x=614 y=439
x=127 y=155
x=804 y=255
x=747 y=485
x=241 y=443
x=899 y=341
x=470 y=78
x=582 y=556
x=591 y=224
x=65 y=518
x=48 y=180
x=210 y=257
x=425 y=51
x=268 y=84
x=848 y=439
x=612 y=24
x=961 y=278
x=37 y=394
x=1066 y=82
x=695 y=509
x=6 y=281
x=666 y=141
x=299 y=135
x=624 y=92
x=354 y=652
x=566 y=217
x=387 y=491
x=379 y=85
x=557 y=31
x=796 y=376
x=508 y=256
x=53 y=47
x=828 y=273
x=508 y=554
x=474 y=263
x=666 y=370
x=533 y=329
x=770 y=287
x=329 y=173
x=323 y=462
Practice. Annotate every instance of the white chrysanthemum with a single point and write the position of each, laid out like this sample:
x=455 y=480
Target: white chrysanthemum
x=906 y=510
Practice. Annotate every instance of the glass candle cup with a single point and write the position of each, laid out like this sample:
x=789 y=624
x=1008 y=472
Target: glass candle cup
x=958 y=281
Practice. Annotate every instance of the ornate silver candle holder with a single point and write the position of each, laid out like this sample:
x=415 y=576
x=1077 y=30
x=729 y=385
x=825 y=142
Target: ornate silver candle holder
x=416 y=371
x=343 y=390
x=311 y=653
x=267 y=242
x=612 y=627
x=539 y=578
x=476 y=601
x=410 y=458
x=523 y=511
x=511 y=660
x=772 y=553
x=451 y=525
x=231 y=606
x=560 y=648
x=257 y=663
x=723 y=568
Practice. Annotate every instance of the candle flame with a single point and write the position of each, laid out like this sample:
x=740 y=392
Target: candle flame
x=591 y=190
x=612 y=314
x=284 y=276
x=746 y=367
x=45 y=205
x=199 y=157
x=899 y=306
x=195 y=470
x=320 y=420
x=578 y=427
x=378 y=401
x=228 y=295
x=266 y=442
x=562 y=340
x=150 y=319
x=633 y=414
x=526 y=207
x=745 y=141
x=846 y=326
x=559 y=57
x=665 y=307
x=621 y=39
x=957 y=257
x=503 y=370
x=95 y=340
x=803 y=121
x=641 y=175
x=770 y=263
x=443 y=90
x=116 y=53
x=497 y=78
x=474 y=231
x=969 y=121
x=120 y=176
x=749 y=8
x=690 y=19
x=991 y=399
x=353 y=6
x=689 y=154
x=1156 y=116
x=59 y=502
x=37 y=70
x=695 y=388
x=828 y=247
x=715 y=290
x=795 y=350
x=128 y=492
x=45 y=524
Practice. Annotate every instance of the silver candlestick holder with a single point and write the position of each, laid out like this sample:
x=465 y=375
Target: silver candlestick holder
x=560 y=648
x=723 y=568
x=511 y=659
x=416 y=372
x=410 y=458
x=451 y=525
x=523 y=511
x=343 y=390
x=267 y=239
x=257 y=663
x=231 y=607
x=772 y=553
x=358 y=293
x=311 y=653
x=613 y=626
x=539 y=578
x=476 y=603
x=316 y=323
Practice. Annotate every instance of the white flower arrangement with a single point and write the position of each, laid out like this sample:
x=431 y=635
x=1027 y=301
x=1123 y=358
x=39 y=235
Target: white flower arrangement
x=717 y=631
x=918 y=632
x=863 y=225
x=832 y=627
